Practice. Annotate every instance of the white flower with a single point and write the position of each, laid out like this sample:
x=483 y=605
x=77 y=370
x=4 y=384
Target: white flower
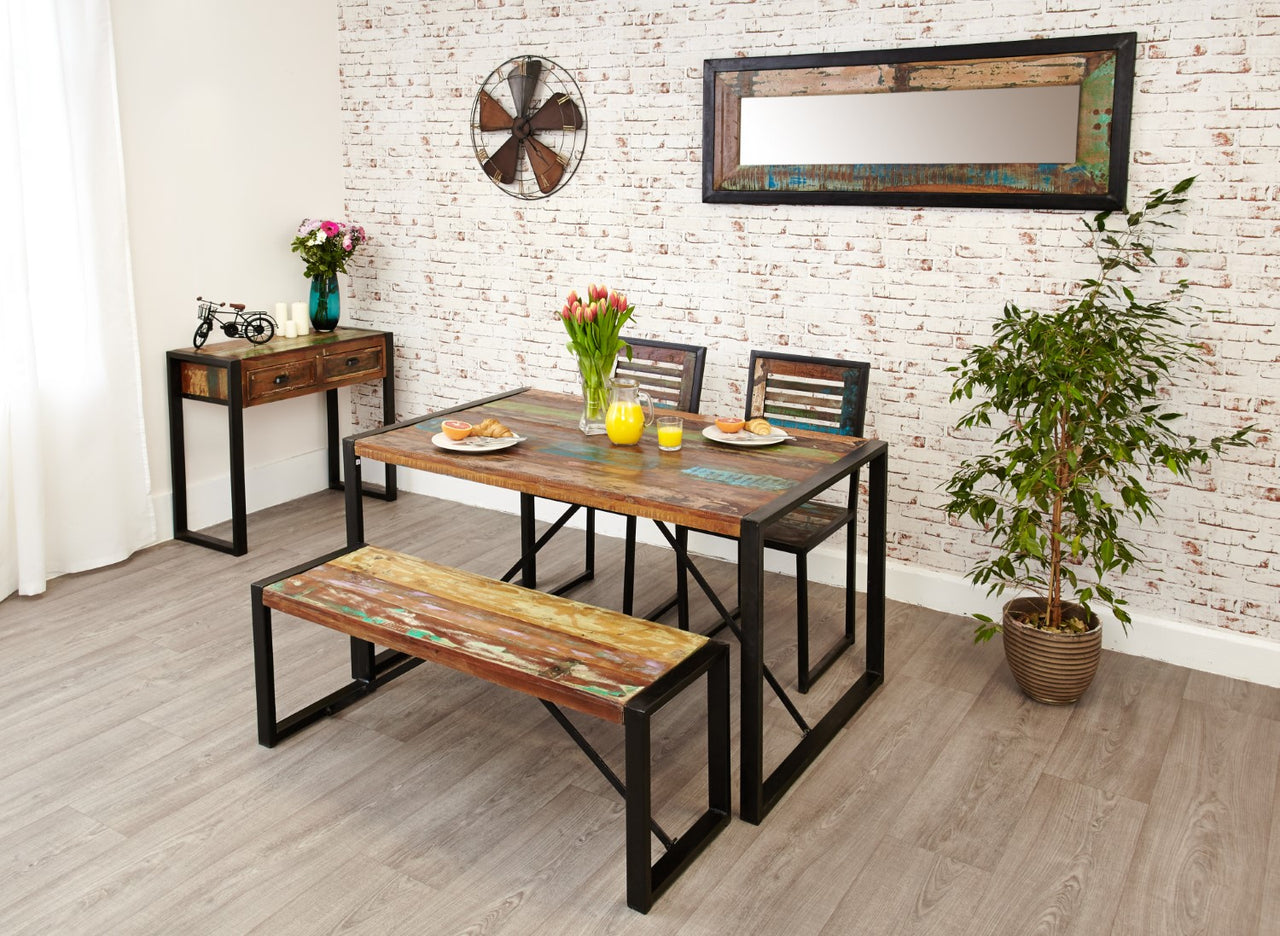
x=319 y=238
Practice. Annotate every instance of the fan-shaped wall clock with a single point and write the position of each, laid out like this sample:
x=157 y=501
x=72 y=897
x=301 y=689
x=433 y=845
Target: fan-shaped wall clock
x=528 y=126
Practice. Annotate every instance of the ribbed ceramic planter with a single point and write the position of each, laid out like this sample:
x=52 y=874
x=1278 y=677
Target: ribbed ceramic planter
x=1051 y=668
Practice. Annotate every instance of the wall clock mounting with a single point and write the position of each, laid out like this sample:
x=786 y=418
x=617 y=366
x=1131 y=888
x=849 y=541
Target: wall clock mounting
x=528 y=126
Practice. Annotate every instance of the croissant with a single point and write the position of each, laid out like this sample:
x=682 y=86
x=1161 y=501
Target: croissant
x=492 y=429
x=759 y=426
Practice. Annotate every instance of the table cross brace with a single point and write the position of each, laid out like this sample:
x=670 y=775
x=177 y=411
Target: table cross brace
x=727 y=620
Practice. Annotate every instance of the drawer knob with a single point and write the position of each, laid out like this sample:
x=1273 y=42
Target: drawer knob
x=352 y=361
x=281 y=379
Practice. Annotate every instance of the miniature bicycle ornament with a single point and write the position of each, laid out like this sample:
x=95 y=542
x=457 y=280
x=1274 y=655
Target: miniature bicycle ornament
x=258 y=327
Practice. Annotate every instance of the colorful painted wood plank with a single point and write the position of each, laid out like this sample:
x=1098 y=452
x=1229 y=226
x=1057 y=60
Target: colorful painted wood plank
x=581 y=657
x=808 y=393
x=203 y=382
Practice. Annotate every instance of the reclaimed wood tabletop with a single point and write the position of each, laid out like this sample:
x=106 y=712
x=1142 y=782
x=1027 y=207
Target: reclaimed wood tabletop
x=706 y=485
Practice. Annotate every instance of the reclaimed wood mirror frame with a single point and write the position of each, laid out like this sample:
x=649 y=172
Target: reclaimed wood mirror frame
x=1102 y=66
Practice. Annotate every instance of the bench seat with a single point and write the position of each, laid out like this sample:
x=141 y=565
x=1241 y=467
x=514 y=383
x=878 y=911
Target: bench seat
x=568 y=654
x=578 y=656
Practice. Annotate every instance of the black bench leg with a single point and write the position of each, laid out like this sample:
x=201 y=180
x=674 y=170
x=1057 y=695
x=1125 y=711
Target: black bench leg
x=270 y=730
x=369 y=668
x=645 y=882
x=264 y=670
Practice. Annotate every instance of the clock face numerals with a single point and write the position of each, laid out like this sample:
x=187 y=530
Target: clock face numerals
x=529 y=126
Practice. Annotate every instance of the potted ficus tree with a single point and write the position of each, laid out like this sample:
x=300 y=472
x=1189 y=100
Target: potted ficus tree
x=1076 y=397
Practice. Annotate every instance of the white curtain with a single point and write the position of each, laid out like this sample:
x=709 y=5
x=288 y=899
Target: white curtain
x=73 y=468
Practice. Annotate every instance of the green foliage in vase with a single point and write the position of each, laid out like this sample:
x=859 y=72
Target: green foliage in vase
x=594 y=328
x=1077 y=395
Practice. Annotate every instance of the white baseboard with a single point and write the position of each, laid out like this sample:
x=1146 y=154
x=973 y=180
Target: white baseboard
x=209 y=499
x=1220 y=651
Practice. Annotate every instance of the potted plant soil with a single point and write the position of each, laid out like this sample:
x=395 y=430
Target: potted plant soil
x=1076 y=398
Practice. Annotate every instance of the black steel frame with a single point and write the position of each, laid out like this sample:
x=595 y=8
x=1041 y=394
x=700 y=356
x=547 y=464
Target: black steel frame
x=645 y=880
x=759 y=792
x=238 y=545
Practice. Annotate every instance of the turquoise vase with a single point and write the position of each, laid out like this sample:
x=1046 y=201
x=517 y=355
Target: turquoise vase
x=324 y=306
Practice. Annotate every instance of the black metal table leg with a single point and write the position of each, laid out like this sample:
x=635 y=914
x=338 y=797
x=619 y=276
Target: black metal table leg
x=751 y=620
x=235 y=433
x=383 y=491
x=354 y=505
x=389 y=411
x=528 y=543
x=761 y=792
x=238 y=545
x=177 y=449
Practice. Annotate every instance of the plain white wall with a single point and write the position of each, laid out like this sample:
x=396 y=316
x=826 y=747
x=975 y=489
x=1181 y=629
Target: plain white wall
x=231 y=129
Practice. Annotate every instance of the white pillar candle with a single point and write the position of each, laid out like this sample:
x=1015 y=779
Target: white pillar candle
x=301 y=320
x=282 y=313
x=290 y=328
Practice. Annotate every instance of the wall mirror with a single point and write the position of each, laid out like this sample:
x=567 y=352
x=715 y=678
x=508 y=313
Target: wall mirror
x=1041 y=123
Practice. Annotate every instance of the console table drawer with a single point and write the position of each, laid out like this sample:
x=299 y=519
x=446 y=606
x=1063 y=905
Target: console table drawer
x=280 y=380
x=352 y=363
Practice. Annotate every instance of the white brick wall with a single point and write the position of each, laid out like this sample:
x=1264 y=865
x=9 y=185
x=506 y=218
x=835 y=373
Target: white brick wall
x=470 y=279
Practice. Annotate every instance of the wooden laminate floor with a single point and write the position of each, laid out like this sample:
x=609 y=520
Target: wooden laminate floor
x=135 y=799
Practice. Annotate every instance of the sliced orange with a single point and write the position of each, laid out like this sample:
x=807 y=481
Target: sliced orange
x=729 y=424
x=456 y=429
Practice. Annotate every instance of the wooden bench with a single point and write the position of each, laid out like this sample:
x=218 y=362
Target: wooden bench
x=568 y=654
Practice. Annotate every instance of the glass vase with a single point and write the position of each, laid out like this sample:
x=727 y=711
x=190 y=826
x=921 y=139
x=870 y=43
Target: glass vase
x=324 y=306
x=595 y=401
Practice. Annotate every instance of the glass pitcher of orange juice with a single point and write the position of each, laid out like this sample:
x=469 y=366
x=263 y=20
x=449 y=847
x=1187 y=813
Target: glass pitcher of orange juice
x=630 y=410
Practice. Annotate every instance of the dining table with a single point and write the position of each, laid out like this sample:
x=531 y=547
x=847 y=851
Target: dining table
x=719 y=487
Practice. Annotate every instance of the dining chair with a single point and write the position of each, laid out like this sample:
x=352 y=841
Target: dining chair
x=671 y=374
x=827 y=395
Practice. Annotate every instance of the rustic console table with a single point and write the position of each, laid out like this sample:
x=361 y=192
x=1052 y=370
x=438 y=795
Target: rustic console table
x=236 y=374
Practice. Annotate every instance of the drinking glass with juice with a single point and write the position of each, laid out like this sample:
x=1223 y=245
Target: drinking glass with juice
x=670 y=433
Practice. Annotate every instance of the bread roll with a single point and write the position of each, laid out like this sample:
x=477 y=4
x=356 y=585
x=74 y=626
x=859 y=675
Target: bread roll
x=759 y=426
x=491 y=429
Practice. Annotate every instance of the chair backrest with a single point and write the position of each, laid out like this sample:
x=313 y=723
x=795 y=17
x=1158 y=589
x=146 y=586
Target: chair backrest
x=670 y=373
x=825 y=394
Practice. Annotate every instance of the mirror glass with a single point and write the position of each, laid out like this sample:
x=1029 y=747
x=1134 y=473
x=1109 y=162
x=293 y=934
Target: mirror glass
x=991 y=125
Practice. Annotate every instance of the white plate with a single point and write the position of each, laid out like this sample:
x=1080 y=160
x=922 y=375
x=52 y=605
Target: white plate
x=744 y=438
x=474 y=445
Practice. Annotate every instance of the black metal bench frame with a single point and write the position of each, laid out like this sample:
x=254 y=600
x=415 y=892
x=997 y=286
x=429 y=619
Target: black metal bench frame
x=645 y=881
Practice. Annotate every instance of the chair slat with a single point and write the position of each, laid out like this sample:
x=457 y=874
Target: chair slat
x=671 y=373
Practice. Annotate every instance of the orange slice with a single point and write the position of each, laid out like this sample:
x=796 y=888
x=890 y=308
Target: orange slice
x=728 y=424
x=456 y=429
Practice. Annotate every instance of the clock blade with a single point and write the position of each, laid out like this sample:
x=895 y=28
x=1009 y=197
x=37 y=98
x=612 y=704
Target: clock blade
x=524 y=81
x=548 y=167
x=493 y=116
x=501 y=166
x=559 y=113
